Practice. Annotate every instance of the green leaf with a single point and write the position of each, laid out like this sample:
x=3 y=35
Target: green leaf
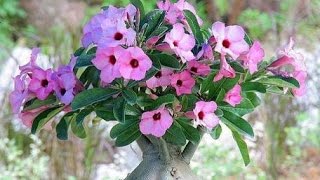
x=242 y=145
x=237 y=67
x=188 y=102
x=130 y=96
x=216 y=132
x=92 y=96
x=221 y=95
x=191 y=133
x=194 y=25
x=84 y=60
x=105 y=115
x=248 y=39
x=154 y=19
x=79 y=51
x=63 y=126
x=138 y=4
x=280 y=81
x=155 y=62
x=237 y=123
x=166 y=99
x=43 y=118
x=84 y=113
x=36 y=103
x=175 y=135
x=78 y=128
x=119 y=110
x=253 y=86
x=254 y=98
x=130 y=125
x=218 y=112
x=127 y=138
x=241 y=109
x=160 y=32
x=166 y=60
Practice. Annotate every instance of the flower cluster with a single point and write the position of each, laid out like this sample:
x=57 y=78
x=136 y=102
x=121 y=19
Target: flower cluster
x=160 y=74
x=34 y=82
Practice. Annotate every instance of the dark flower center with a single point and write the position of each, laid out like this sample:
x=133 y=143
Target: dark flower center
x=134 y=63
x=226 y=43
x=63 y=91
x=194 y=69
x=175 y=43
x=179 y=83
x=44 y=83
x=118 y=36
x=201 y=115
x=158 y=75
x=157 y=116
x=112 y=59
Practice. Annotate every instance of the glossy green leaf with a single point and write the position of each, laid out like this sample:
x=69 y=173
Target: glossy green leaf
x=188 y=102
x=280 y=81
x=154 y=19
x=130 y=125
x=37 y=103
x=130 y=96
x=63 y=126
x=241 y=109
x=237 y=123
x=254 y=98
x=84 y=60
x=216 y=132
x=166 y=99
x=92 y=96
x=79 y=51
x=77 y=128
x=119 y=110
x=166 y=60
x=194 y=25
x=221 y=95
x=138 y=4
x=253 y=86
x=105 y=115
x=43 y=118
x=242 y=145
x=82 y=115
x=175 y=135
x=191 y=133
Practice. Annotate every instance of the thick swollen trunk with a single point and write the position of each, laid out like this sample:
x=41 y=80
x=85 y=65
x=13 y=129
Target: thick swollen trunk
x=153 y=168
x=163 y=161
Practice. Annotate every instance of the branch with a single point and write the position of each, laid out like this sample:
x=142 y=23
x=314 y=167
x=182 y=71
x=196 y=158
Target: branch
x=191 y=148
x=164 y=151
x=143 y=143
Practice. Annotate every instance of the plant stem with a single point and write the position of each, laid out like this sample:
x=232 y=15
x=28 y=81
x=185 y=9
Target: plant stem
x=191 y=148
x=164 y=151
x=144 y=144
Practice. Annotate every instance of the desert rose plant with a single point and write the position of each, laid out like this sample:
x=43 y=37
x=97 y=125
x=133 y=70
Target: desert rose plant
x=163 y=78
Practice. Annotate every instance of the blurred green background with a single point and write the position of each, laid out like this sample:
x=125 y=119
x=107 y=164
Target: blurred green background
x=287 y=142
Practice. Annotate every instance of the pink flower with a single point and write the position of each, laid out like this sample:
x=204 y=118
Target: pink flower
x=230 y=39
x=155 y=122
x=19 y=94
x=180 y=42
x=115 y=35
x=291 y=63
x=233 y=96
x=225 y=70
x=183 y=83
x=67 y=84
x=162 y=78
x=206 y=52
x=27 y=117
x=107 y=60
x=253 y=57
x=301 y=77
x=198 y=68
x=41 y=83
x=134 y=64
x=204 y=112
x=98 y=24
x=174 y=11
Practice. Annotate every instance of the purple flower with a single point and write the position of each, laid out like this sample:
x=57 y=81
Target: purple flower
x=41 y=83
